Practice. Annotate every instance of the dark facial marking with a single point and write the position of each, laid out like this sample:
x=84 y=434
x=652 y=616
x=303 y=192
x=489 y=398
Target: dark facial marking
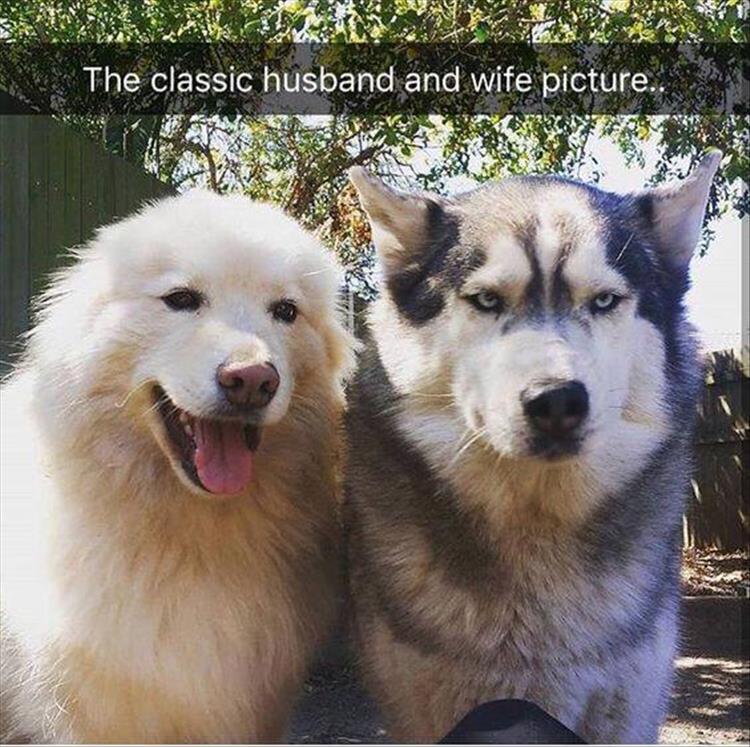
x=633 y=251
x=560 y=296
x=439 y=263
x=569 y=234
x=534 y=295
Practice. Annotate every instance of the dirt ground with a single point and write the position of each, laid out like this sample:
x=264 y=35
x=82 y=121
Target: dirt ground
x=711 y=696
x=710 y=703
x=713 y=573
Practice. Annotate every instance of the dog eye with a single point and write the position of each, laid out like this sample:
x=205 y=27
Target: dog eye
x=284 y=310
x=604 y=302
x=183 y=299
x=486 y=301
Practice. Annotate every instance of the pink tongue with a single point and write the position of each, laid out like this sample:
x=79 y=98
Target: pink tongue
x=222 y=459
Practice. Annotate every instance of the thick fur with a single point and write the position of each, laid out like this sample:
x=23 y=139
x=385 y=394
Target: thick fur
x=479 y=568
x=136 y=607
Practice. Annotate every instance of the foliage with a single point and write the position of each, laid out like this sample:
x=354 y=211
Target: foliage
x=374 y=20
x=301 y=162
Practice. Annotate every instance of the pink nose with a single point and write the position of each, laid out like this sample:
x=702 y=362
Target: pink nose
x=248 y=386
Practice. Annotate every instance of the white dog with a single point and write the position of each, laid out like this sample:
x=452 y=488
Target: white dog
x=169 y=531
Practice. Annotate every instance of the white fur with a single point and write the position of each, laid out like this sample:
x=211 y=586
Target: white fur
x=136 y=607
x=462 y=355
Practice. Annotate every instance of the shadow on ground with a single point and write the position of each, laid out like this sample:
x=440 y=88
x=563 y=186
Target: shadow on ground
x=710 y=701
x=711 y=697
x=336 y=710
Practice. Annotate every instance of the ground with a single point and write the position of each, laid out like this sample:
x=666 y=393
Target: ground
x=711 y=698
x=710 y=702
x=713 y=573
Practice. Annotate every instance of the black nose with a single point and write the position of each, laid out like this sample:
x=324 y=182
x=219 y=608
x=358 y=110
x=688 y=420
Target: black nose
x=559 y=410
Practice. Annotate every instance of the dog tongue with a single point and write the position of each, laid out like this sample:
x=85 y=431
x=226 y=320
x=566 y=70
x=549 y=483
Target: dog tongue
x=222 y=459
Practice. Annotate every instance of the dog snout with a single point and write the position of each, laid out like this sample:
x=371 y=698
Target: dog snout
x=558 y=410
x=252 y=386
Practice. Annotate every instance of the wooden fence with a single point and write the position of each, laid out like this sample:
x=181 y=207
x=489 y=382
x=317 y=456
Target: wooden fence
x=56 y=187
x=718 y=513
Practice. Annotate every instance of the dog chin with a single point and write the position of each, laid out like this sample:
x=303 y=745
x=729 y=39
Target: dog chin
x=534 y=450
x=553 y=451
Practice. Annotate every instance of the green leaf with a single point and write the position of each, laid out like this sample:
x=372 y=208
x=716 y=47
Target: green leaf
x=481 y=32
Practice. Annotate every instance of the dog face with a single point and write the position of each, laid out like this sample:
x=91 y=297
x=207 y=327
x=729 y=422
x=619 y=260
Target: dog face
x=542 y=310
x=220 y=312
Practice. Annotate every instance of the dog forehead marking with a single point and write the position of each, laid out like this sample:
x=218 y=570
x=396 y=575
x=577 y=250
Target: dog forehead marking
x=588 y=272
x=507 y=263
x=534 y=235
x=567 y=227
x=550 y=245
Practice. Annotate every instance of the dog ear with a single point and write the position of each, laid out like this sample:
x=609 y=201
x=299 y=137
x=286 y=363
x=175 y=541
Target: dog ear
x=400 y=221
x=676 y=211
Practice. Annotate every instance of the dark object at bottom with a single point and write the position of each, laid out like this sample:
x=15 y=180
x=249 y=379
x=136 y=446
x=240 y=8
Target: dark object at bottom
x=510 y=722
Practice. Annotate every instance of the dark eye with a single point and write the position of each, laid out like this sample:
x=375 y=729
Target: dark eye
x=183 y=299
x=487 y=301
x=604 y=302
x=284 y=310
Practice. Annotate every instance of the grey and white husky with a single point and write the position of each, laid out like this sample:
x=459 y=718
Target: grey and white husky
x=520 y=434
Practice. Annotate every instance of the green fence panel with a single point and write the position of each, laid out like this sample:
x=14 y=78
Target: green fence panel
x=14 y=233
x=56 y=188
x=72 y=192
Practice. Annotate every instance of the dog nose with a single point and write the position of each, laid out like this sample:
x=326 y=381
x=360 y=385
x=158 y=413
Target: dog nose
x=248 y=386
x=559 y=410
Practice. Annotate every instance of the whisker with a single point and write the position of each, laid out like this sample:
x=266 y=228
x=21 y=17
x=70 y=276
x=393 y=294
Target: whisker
x=477 y=435
x=158 y=403
x=125 y=399
x=625 y=246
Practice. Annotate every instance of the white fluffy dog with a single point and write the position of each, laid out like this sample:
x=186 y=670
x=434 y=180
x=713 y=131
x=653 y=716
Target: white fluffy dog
x=169 y=529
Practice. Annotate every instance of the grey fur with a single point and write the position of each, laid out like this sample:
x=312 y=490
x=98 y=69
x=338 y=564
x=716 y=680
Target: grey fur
x=454 y=607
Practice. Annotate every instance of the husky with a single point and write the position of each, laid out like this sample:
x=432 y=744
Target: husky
x=519 y=448
x=170 y=537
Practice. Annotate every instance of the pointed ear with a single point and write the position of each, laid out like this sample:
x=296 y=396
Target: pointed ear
x=677 y=211
x=400 y=221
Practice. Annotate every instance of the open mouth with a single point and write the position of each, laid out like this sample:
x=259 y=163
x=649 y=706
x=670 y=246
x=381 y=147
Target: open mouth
x=216 y=455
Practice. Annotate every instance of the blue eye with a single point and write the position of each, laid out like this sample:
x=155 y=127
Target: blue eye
x=604 y=303
x=486 y=301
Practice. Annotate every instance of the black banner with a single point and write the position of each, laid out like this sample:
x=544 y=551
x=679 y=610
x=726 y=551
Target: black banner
x=559 y=79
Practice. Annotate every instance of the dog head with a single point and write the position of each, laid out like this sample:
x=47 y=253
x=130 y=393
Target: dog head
x=210 y=314
x=543 y=309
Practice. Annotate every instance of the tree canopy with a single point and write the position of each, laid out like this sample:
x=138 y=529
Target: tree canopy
x=301 y=161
